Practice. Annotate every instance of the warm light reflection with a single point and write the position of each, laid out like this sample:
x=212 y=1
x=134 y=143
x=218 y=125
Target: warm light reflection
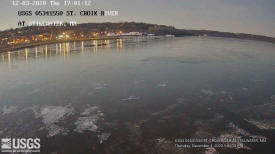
x=46 y=51
x=26 y=54
x=3 y=57
x=95 y=43
x=82 y=46
x=56 y=49
x=119 y=44
x=50 y=50
x=61 y=49
x=68 y=48
x=9 y=58
x=107 y=42
x=64 y=50
x=36 y=52
x=74 y=45
x=42 y=50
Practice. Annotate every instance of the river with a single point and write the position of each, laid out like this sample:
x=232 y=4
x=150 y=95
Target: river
x=139 y=95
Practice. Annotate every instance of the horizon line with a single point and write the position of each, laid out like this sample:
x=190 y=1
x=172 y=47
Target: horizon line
x=153 y=24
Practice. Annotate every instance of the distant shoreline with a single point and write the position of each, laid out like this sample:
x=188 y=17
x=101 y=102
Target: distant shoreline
x=86 y=31
x=30 y=45
x=18 y=47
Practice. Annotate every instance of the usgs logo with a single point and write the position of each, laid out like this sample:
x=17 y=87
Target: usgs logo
x=20 y=145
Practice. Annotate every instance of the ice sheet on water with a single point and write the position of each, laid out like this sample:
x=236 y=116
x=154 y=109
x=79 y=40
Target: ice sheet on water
x=87 y=123
x=52 y=114
x=100 y=86
x=210 y=150
x=183 y=60
x=35 y=91
x=239 y=144
x=162 y=140
x=90 y=93
x=240 y=131
x=180 y=100
x=103 y=137
x=130 y=98
x=164 y=84
x=217 y=117
x=89 y=110
x=237 y=133
x=88 y=120
x=223 y=92
x=28 y=83
x=135 y=82
x=244 y=89
x=257 y=81
x=55 y=130
x=9 y=109
x=267 y=125
x=207 y=91
x=29 y=108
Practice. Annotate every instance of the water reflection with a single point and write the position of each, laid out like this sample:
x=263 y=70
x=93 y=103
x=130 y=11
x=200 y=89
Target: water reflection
x=36 y=52
x=61 y=49
x=68 y=48
x=95 y=43
x=3 y=58
x=119 y=44
x=26 y=54
x=82 y=46
x=9 y=57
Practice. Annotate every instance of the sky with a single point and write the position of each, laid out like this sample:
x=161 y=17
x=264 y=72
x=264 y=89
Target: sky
x=240 y=16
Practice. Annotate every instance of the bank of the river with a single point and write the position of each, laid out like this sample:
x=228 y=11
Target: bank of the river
x=17 y=47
